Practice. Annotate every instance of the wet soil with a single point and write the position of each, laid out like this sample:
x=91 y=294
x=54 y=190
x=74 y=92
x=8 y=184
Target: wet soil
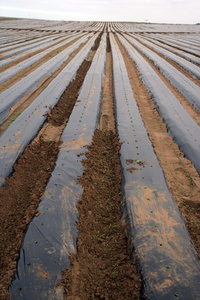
x=102 y=267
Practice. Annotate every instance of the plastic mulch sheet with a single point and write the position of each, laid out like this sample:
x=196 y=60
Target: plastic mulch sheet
x=156 y=231
x=181 y=127
x=21 y=132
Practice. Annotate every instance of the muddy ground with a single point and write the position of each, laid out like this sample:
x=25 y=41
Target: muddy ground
x=102 y=268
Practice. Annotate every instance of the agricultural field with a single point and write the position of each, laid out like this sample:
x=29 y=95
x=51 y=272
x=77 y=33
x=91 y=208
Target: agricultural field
x=99 y=160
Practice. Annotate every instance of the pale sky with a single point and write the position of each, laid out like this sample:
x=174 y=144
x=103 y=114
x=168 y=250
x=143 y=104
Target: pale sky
x=159 y=11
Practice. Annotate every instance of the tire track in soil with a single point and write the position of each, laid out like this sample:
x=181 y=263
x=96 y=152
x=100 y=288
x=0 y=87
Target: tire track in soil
x=180 y=174
x=21 y=195
x=102 y=267
x=189 y=107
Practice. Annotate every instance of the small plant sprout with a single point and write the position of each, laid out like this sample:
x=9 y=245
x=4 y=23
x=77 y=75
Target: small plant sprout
x=176 y=294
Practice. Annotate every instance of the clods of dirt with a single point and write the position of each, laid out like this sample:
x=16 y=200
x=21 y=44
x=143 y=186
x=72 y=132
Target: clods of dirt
x=102 y=267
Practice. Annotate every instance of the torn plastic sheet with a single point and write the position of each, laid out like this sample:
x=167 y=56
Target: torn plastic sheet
x=52 y=235
x=181 y=127
x=22 y=131
x=156 y=231
x=186 y=87
x=30 y=83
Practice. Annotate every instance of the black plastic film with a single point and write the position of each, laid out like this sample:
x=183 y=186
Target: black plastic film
x=187 y=65
x=181 y=127
x=179 y=42
x=186 y=87
x=156 y=231
x=52 y=235
x=30 y=83
x=9 y=73
x=22 y=131
x=155 y=40
x=29 y=47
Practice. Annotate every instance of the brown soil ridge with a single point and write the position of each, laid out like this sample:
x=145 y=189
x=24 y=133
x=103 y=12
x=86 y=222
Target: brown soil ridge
x=64 y=107
x=102 y=267
x=181 y=176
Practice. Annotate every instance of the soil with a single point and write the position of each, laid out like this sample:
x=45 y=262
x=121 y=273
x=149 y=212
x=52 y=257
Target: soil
x=67 y=101
x=26 y=71
x=102 y=267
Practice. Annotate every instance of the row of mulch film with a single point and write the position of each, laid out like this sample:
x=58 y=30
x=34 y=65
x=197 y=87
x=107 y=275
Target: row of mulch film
x=21 y=195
